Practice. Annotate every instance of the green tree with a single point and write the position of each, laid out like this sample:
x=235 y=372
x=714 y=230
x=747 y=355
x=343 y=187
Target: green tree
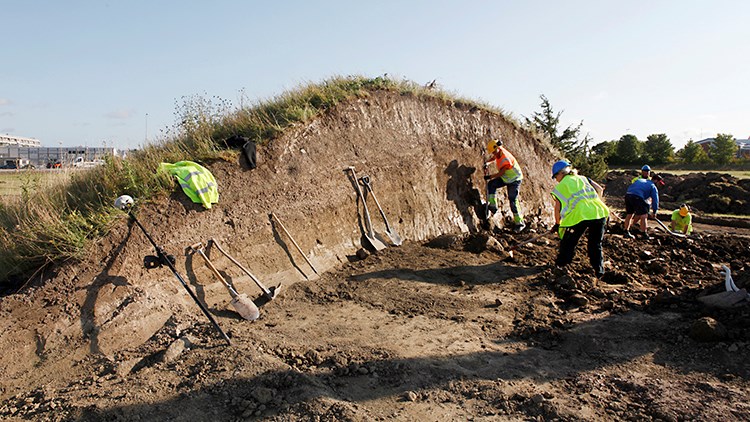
x=574 y=149
x=588 y=163
x=629 y=150
x=548 y=122
x=724 y=149
x=658 y=149
x=606 y=149
x=692 y=153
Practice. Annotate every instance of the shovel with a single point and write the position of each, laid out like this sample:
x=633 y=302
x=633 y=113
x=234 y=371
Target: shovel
x=269 y=294
x=125 y=203
x=273 y=216
x=241 y=303
x=369 y=234
x=666 y=229
x=395 y=238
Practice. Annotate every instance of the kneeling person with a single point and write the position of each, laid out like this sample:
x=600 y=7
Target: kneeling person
x=682 y=221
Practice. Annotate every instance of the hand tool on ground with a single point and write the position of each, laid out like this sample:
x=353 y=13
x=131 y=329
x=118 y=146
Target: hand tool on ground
x=728 y=282
x=666 y=229
x=241 y=303
x=369 y=233
x=269 y=294
x=529 y=240
x=395 y=238
x=125 y=203
x=295 y=243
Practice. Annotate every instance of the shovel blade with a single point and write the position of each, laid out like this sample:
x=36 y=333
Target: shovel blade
x=245 y=307
x=395 y=238
x=273 y=292
x=375 y=242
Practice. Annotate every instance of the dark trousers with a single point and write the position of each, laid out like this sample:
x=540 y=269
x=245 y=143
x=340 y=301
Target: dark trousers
x=570 y=240
x=513 y=187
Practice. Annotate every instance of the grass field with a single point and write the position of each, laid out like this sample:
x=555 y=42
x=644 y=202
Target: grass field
x=15 y=183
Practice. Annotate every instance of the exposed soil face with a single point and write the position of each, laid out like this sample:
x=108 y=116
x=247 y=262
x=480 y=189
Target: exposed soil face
x=445 y=327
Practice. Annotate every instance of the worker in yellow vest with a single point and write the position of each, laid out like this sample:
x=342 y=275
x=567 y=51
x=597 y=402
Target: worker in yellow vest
x=508 y=174
x=578 y=207
x=645 y=174
x=682 y=221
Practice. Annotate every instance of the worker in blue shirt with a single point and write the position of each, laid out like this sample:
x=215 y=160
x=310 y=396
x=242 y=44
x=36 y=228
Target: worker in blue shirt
x=637 y=198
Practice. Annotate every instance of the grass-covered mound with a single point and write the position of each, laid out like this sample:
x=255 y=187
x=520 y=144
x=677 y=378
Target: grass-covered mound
x=53 y=226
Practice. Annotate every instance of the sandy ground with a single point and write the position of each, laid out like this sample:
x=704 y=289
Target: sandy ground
x=444 y=331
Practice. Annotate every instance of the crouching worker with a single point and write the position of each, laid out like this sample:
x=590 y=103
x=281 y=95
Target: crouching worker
x=682 y=221
x=578 y=207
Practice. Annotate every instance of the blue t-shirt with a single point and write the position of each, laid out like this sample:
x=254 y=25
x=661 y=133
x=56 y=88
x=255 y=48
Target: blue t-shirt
x=645 y=188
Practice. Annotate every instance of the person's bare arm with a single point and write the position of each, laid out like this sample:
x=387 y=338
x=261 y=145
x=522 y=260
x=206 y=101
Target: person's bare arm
x=598 y=188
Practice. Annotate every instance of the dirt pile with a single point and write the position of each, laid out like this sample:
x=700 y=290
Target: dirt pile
x=704 y=192
x=444 y=327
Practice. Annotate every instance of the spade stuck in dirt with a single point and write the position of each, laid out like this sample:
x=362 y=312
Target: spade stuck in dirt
x=241 y=303
x=125 y=203
x=390 y=231
x=270 y=294
x=369 y=233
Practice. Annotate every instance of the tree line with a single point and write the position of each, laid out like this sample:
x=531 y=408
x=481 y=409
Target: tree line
x=657 y=149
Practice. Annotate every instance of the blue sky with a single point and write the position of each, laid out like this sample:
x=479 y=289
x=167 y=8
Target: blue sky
x=89 y=72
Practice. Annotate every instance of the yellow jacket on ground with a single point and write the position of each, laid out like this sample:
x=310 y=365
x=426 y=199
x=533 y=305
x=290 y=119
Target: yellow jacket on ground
x=196 y=181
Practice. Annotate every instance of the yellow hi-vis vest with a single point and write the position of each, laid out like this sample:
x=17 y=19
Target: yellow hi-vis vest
x=681 y=222
x=578 y=200
x=196 y=181
x=506 y=160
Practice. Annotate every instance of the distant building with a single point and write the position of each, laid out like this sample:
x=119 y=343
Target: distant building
x=743 y=146
x=7 y=140
x=40 y=156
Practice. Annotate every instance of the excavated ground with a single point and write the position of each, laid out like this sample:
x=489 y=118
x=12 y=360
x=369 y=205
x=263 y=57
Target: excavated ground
x=446 y=326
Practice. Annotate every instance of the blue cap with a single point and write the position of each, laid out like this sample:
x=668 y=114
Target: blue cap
x=646 y=168
x=559 y=166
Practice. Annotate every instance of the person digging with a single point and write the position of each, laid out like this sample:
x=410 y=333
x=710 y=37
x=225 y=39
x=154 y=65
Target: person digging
x=682 y=220
x=578 y=208
x=508 y=174
x=637 y=198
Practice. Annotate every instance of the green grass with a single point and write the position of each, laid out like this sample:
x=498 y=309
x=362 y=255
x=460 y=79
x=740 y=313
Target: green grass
x=47 y=226
x=15 y=184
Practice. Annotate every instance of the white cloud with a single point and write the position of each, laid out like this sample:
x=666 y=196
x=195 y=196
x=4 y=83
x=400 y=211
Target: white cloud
x=120 y=114
x=708 y=117
x=5 y=101
x=6 y=114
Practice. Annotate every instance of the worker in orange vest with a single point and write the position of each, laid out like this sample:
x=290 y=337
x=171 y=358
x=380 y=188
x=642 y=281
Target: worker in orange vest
x=508 y=174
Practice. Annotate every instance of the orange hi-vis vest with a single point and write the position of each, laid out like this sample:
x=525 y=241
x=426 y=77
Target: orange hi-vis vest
x=504 y=160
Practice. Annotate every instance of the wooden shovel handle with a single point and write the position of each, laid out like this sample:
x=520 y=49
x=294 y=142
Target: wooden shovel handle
x=295 y=243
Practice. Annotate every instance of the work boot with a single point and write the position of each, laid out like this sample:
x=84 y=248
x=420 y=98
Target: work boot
x=519 y=227
x=628 y=235
x=646 y=236
x=490 y=211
